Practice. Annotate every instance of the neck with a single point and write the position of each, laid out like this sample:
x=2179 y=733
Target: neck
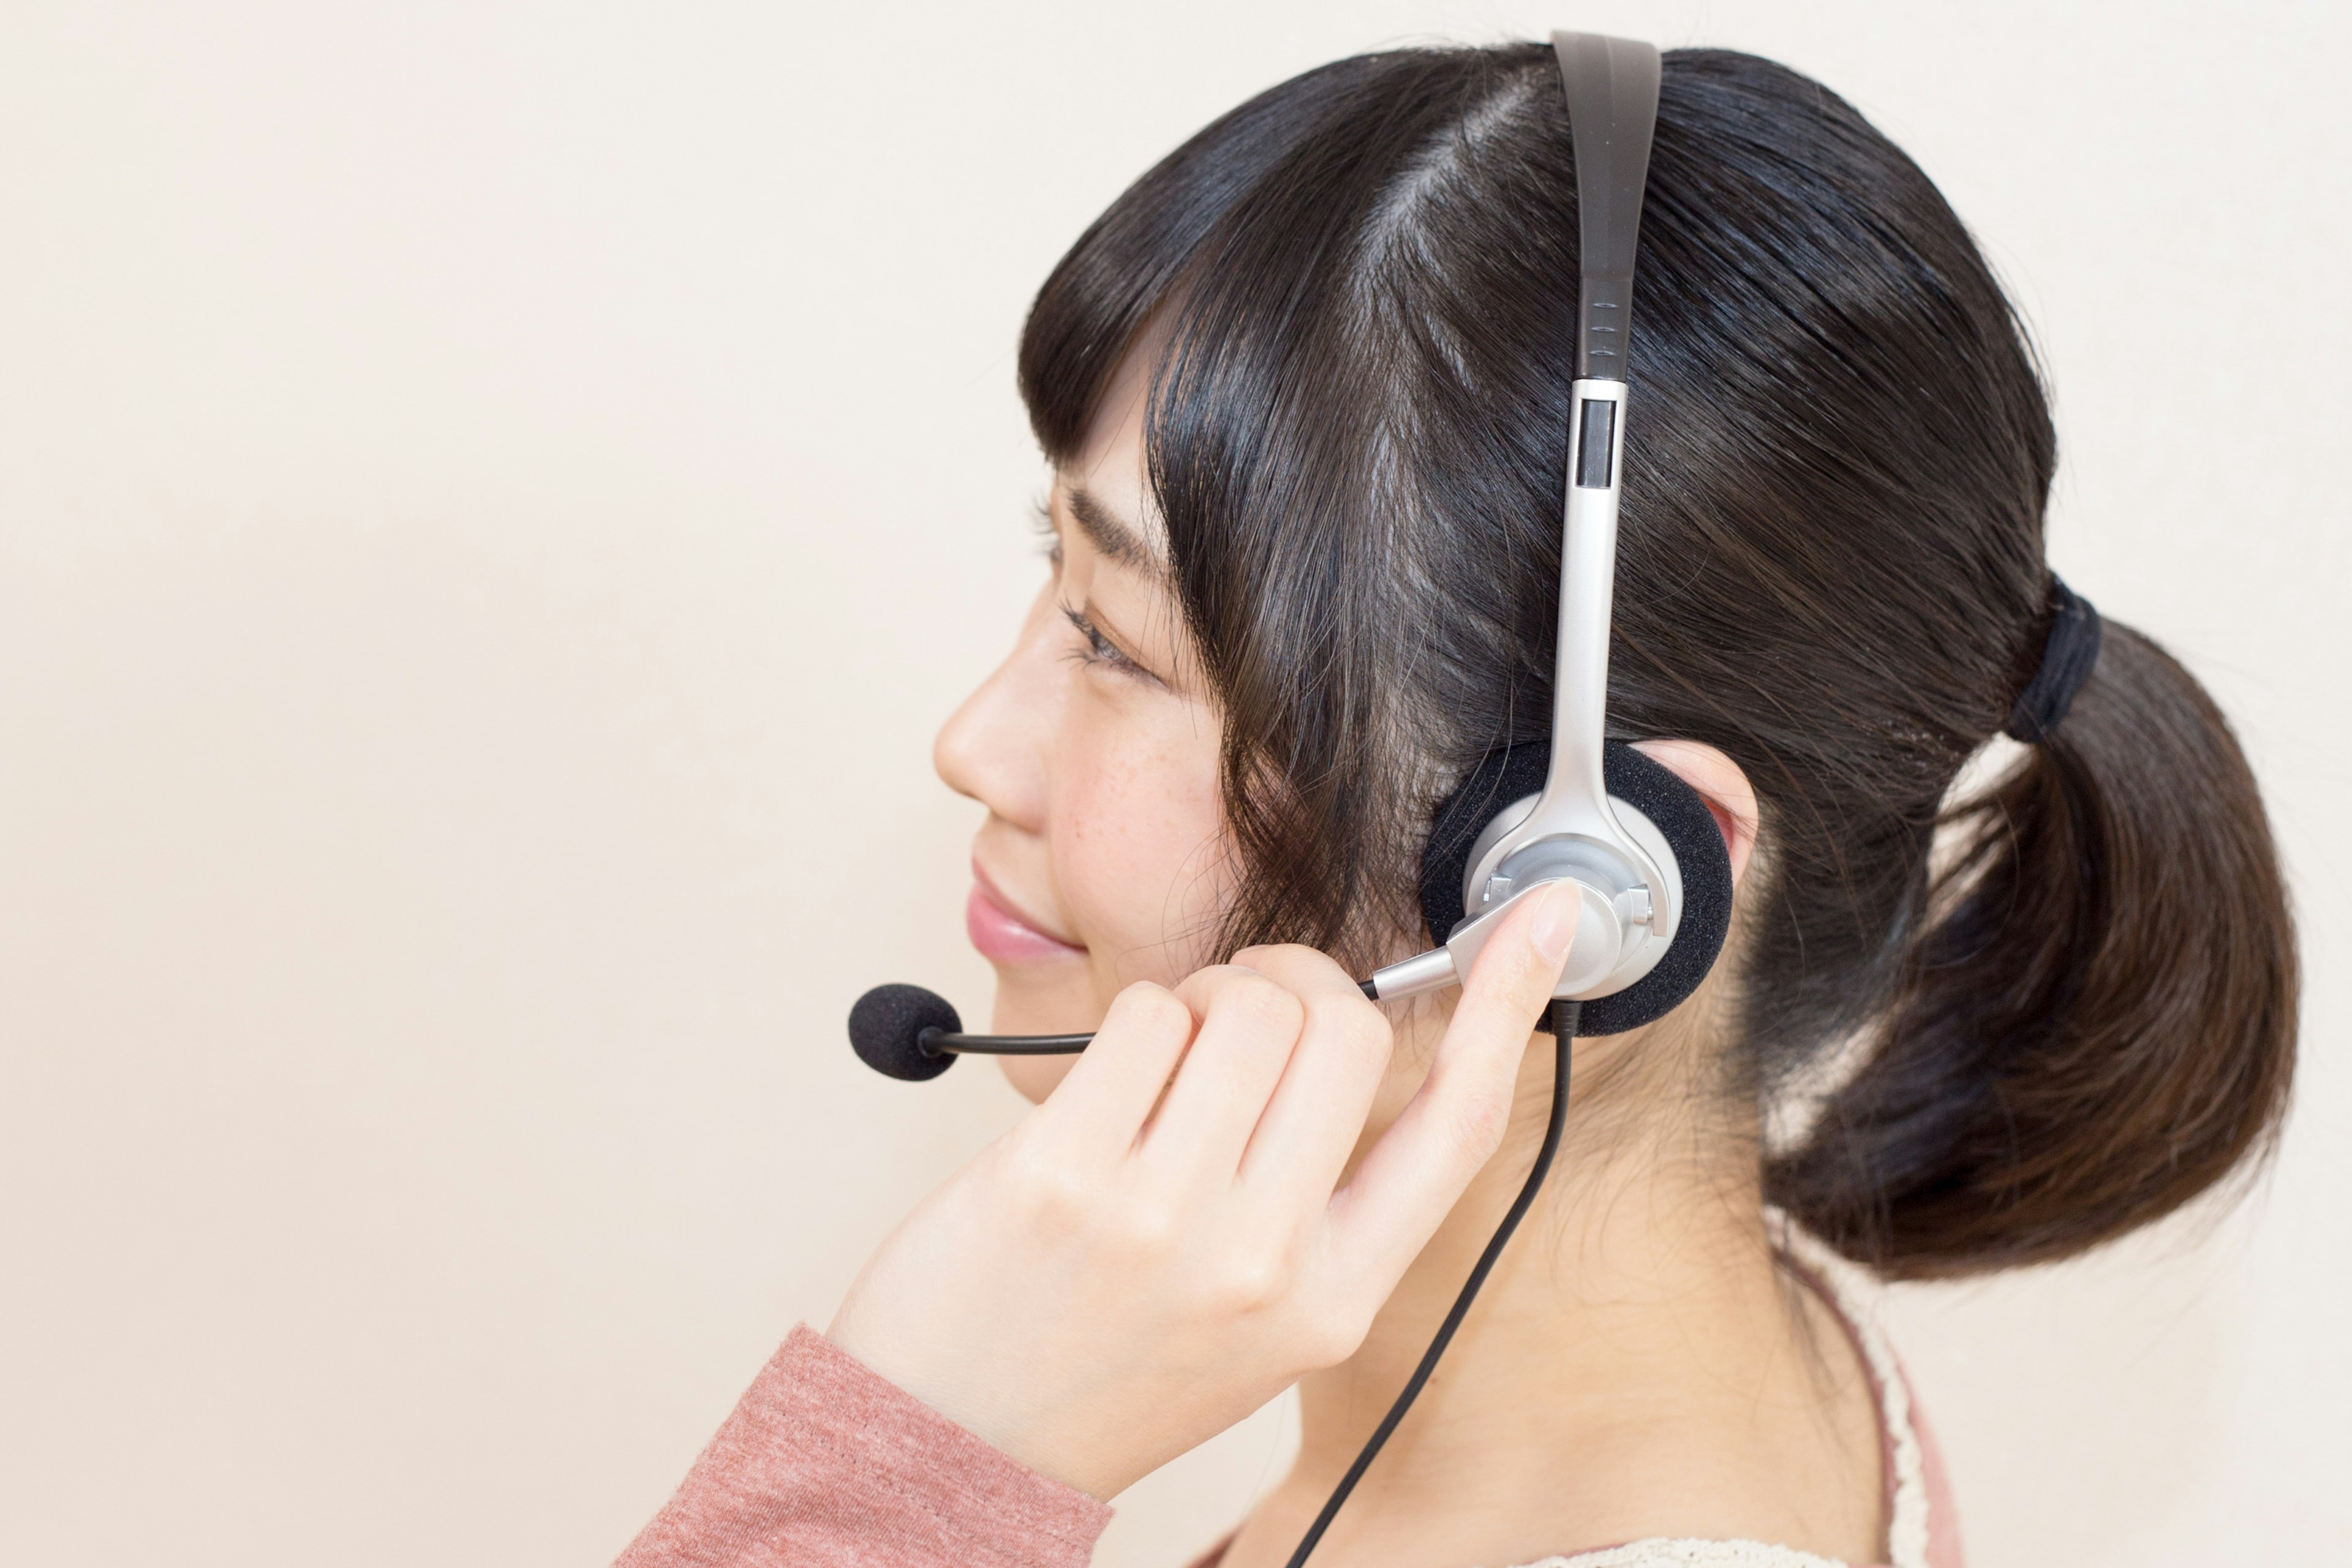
x=1635 y=1335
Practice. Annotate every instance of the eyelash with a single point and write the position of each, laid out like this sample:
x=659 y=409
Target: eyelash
x=1095 y=649
x=1049 y=538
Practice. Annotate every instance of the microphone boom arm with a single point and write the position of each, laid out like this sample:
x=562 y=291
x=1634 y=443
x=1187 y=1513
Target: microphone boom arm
x=941 y=1043
x=1428 y=971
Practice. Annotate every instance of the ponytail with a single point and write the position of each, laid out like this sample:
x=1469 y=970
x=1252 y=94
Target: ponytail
x=2096 y=1022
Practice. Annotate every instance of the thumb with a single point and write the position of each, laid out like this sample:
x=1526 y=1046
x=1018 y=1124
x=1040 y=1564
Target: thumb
x=1412 y=1176
x=1509 y=987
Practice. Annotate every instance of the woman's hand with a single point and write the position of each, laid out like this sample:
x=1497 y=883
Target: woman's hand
x=1124 y=1275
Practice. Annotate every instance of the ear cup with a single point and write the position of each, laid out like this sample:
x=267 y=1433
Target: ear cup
x=1689 y=828
x=1510 y=774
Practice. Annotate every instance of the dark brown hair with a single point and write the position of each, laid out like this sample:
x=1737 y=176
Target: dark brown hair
x=1831 y=568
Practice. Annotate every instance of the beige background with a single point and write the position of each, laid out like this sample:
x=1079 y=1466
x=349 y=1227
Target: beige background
x=494 y=500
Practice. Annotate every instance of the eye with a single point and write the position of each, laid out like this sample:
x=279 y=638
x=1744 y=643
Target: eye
x=1049 y=538
x=1095 y=649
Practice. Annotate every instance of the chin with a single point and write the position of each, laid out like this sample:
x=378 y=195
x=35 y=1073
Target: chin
x=1053 y=997
x=1034 y=1077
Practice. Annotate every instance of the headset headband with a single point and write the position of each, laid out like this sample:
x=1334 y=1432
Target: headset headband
x=1612 y=109
x=1579 y=826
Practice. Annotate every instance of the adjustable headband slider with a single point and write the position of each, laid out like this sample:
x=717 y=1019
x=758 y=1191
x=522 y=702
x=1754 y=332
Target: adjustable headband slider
x=2068 y=656
x=1612 y=109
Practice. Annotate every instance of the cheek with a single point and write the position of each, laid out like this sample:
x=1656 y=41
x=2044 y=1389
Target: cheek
x=1138 y=853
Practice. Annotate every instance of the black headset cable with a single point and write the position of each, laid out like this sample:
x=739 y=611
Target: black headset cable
x=1562 y=1026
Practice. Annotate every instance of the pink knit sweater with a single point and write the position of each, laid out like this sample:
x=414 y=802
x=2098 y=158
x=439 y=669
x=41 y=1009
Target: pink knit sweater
x=826 y=1465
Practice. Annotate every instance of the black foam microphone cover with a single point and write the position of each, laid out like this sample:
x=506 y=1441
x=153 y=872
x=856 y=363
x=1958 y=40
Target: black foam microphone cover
x=887 y=1026
x=1673 y=806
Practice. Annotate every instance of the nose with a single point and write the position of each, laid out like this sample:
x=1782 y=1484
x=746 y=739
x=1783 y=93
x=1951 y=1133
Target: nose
x=993 y=747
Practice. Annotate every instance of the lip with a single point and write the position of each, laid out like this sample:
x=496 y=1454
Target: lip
x=1003 y=933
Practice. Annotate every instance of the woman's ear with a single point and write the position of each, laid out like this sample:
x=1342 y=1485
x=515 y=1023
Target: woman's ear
x=1720 y=783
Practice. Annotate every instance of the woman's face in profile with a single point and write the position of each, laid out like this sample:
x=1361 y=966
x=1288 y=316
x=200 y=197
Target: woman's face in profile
x=1095 y=748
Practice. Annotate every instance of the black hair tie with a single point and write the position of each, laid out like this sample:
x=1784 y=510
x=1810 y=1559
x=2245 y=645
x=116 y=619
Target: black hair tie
x=2067 y=659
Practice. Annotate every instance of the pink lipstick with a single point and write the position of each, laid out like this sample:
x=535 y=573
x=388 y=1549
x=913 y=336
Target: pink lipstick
x=1003 y=933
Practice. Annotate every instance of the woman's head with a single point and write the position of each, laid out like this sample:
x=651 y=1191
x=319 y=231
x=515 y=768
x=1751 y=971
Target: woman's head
x=1332 y=339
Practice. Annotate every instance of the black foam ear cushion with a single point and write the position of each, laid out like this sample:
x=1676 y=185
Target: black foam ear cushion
x=1517 y=772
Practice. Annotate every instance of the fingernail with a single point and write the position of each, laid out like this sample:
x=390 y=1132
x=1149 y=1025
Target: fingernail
x=1554 y=926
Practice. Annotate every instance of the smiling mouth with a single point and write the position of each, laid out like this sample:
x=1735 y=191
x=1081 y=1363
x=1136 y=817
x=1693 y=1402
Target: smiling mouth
x=1003 y=934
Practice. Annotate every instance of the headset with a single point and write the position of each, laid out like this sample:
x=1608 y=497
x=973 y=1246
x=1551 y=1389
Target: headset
x=1577 y=807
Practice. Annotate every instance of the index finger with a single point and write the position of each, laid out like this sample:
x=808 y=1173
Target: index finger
x=1249 y=1026
x=1316 y=1115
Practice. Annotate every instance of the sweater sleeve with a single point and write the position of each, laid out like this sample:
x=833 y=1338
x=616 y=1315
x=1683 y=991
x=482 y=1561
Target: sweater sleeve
x=826 y=1464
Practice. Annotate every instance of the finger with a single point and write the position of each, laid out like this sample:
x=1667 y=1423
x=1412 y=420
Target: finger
x=1101 y=1106
x=1249 y=1026
x=1418 y=1169
x=1317 y=1114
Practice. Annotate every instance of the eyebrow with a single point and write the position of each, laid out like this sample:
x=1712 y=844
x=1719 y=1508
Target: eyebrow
x=1107 y=531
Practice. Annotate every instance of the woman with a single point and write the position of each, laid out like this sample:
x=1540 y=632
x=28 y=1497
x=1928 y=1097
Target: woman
x=1305 y=391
